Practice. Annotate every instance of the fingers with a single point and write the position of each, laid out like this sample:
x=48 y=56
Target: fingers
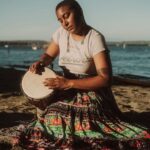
x=36 y=68
x=33 y=68
x=51 y=83
x=55 y=83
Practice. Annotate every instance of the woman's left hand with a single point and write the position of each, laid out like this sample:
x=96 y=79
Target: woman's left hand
x=59 y=83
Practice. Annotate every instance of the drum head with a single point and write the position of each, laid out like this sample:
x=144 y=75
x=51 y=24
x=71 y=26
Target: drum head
x=32 y=84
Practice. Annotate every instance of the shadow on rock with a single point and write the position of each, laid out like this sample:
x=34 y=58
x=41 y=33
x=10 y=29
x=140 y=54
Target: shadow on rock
x=142 y=118
x=10 y=79
x=12 y=119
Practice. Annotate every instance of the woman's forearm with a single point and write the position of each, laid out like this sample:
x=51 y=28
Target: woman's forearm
x=50 y=54
x=90 y=83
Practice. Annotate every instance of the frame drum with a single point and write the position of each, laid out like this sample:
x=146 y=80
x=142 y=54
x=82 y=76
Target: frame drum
x=33 y=87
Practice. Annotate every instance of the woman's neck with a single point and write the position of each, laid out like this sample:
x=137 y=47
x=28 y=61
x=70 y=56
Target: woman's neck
x=83 y=29
x=82 y=32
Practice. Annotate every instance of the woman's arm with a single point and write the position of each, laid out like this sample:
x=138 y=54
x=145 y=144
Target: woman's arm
x=103 y=78
x=104 y=74
x=51 y=53
x=45 y=59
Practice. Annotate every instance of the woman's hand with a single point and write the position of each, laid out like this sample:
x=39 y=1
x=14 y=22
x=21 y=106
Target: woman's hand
x=37 y=67
x=59 y=83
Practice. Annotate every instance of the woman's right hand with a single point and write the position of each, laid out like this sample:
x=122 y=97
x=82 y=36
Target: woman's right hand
x=37 y=67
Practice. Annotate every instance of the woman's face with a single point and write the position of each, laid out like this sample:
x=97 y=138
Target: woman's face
x=68 y=19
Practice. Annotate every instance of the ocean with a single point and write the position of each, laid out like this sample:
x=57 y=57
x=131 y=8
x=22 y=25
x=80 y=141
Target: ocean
x=133 y=60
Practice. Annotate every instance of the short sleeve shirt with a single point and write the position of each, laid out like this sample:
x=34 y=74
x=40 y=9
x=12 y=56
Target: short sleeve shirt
x=77 y=56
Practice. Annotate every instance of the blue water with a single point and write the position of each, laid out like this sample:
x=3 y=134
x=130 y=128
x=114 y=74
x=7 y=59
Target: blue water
x=133 y=60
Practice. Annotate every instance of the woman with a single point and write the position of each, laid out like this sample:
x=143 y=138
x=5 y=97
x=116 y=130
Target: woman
x=83 y=114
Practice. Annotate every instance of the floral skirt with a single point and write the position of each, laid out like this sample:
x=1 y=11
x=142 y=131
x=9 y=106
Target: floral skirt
x=83 y=119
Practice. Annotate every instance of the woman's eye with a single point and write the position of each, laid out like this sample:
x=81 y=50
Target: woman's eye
x=66 y=15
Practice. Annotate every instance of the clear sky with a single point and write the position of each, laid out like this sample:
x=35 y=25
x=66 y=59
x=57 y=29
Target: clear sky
x=118 y=20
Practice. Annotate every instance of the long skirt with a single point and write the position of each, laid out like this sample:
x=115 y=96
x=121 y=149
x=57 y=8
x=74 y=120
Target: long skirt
x=82 y=119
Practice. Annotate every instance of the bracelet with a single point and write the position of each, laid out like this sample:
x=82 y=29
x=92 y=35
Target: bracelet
x=42 y=64
x=45 y=59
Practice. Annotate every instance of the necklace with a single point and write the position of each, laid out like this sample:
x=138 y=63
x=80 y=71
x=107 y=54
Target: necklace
x=68 y=42
x=82 y=42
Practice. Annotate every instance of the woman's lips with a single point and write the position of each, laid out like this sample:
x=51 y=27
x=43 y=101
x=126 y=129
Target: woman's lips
x=69 y=28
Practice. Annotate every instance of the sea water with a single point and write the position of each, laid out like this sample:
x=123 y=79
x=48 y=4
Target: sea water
x=134 y=60
x=131 y=60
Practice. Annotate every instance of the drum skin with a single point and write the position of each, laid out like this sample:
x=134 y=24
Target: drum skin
x=33 y=87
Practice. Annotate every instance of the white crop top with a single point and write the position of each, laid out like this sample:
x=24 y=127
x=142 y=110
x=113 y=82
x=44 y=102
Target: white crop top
x=77 y=56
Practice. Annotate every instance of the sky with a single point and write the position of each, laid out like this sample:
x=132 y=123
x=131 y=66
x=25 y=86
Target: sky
x=117 y=20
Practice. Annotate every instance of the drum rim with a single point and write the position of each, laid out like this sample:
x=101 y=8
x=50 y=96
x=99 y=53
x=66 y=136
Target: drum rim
x=36 y=99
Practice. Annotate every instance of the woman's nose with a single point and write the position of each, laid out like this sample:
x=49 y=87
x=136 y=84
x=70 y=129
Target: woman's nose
x=65 y=23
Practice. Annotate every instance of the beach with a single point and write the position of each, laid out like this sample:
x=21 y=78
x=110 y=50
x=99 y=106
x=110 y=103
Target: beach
x=133 y=100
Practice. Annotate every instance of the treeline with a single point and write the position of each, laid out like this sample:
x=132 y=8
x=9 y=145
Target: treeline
x=24 y=43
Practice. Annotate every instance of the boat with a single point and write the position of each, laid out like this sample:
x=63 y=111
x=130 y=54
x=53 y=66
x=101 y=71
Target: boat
x=6 y=45
x=131 y=80
x=34 y=47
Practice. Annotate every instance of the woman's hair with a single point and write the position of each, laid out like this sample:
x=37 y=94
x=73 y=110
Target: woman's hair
x=73 y=5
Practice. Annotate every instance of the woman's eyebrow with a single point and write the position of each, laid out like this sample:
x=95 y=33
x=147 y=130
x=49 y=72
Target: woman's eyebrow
x=62 y=16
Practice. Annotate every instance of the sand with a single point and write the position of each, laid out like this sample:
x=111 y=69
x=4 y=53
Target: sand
x=133 y=101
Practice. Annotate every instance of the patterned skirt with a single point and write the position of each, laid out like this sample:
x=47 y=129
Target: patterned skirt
x=82 y=119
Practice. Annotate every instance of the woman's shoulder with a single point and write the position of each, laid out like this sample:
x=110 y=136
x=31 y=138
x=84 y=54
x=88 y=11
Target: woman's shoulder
x=96 y=41
x=95 y=35
x=95 y=32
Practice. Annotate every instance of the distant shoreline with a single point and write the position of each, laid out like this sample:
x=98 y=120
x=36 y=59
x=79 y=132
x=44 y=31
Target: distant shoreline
x=43 y=44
